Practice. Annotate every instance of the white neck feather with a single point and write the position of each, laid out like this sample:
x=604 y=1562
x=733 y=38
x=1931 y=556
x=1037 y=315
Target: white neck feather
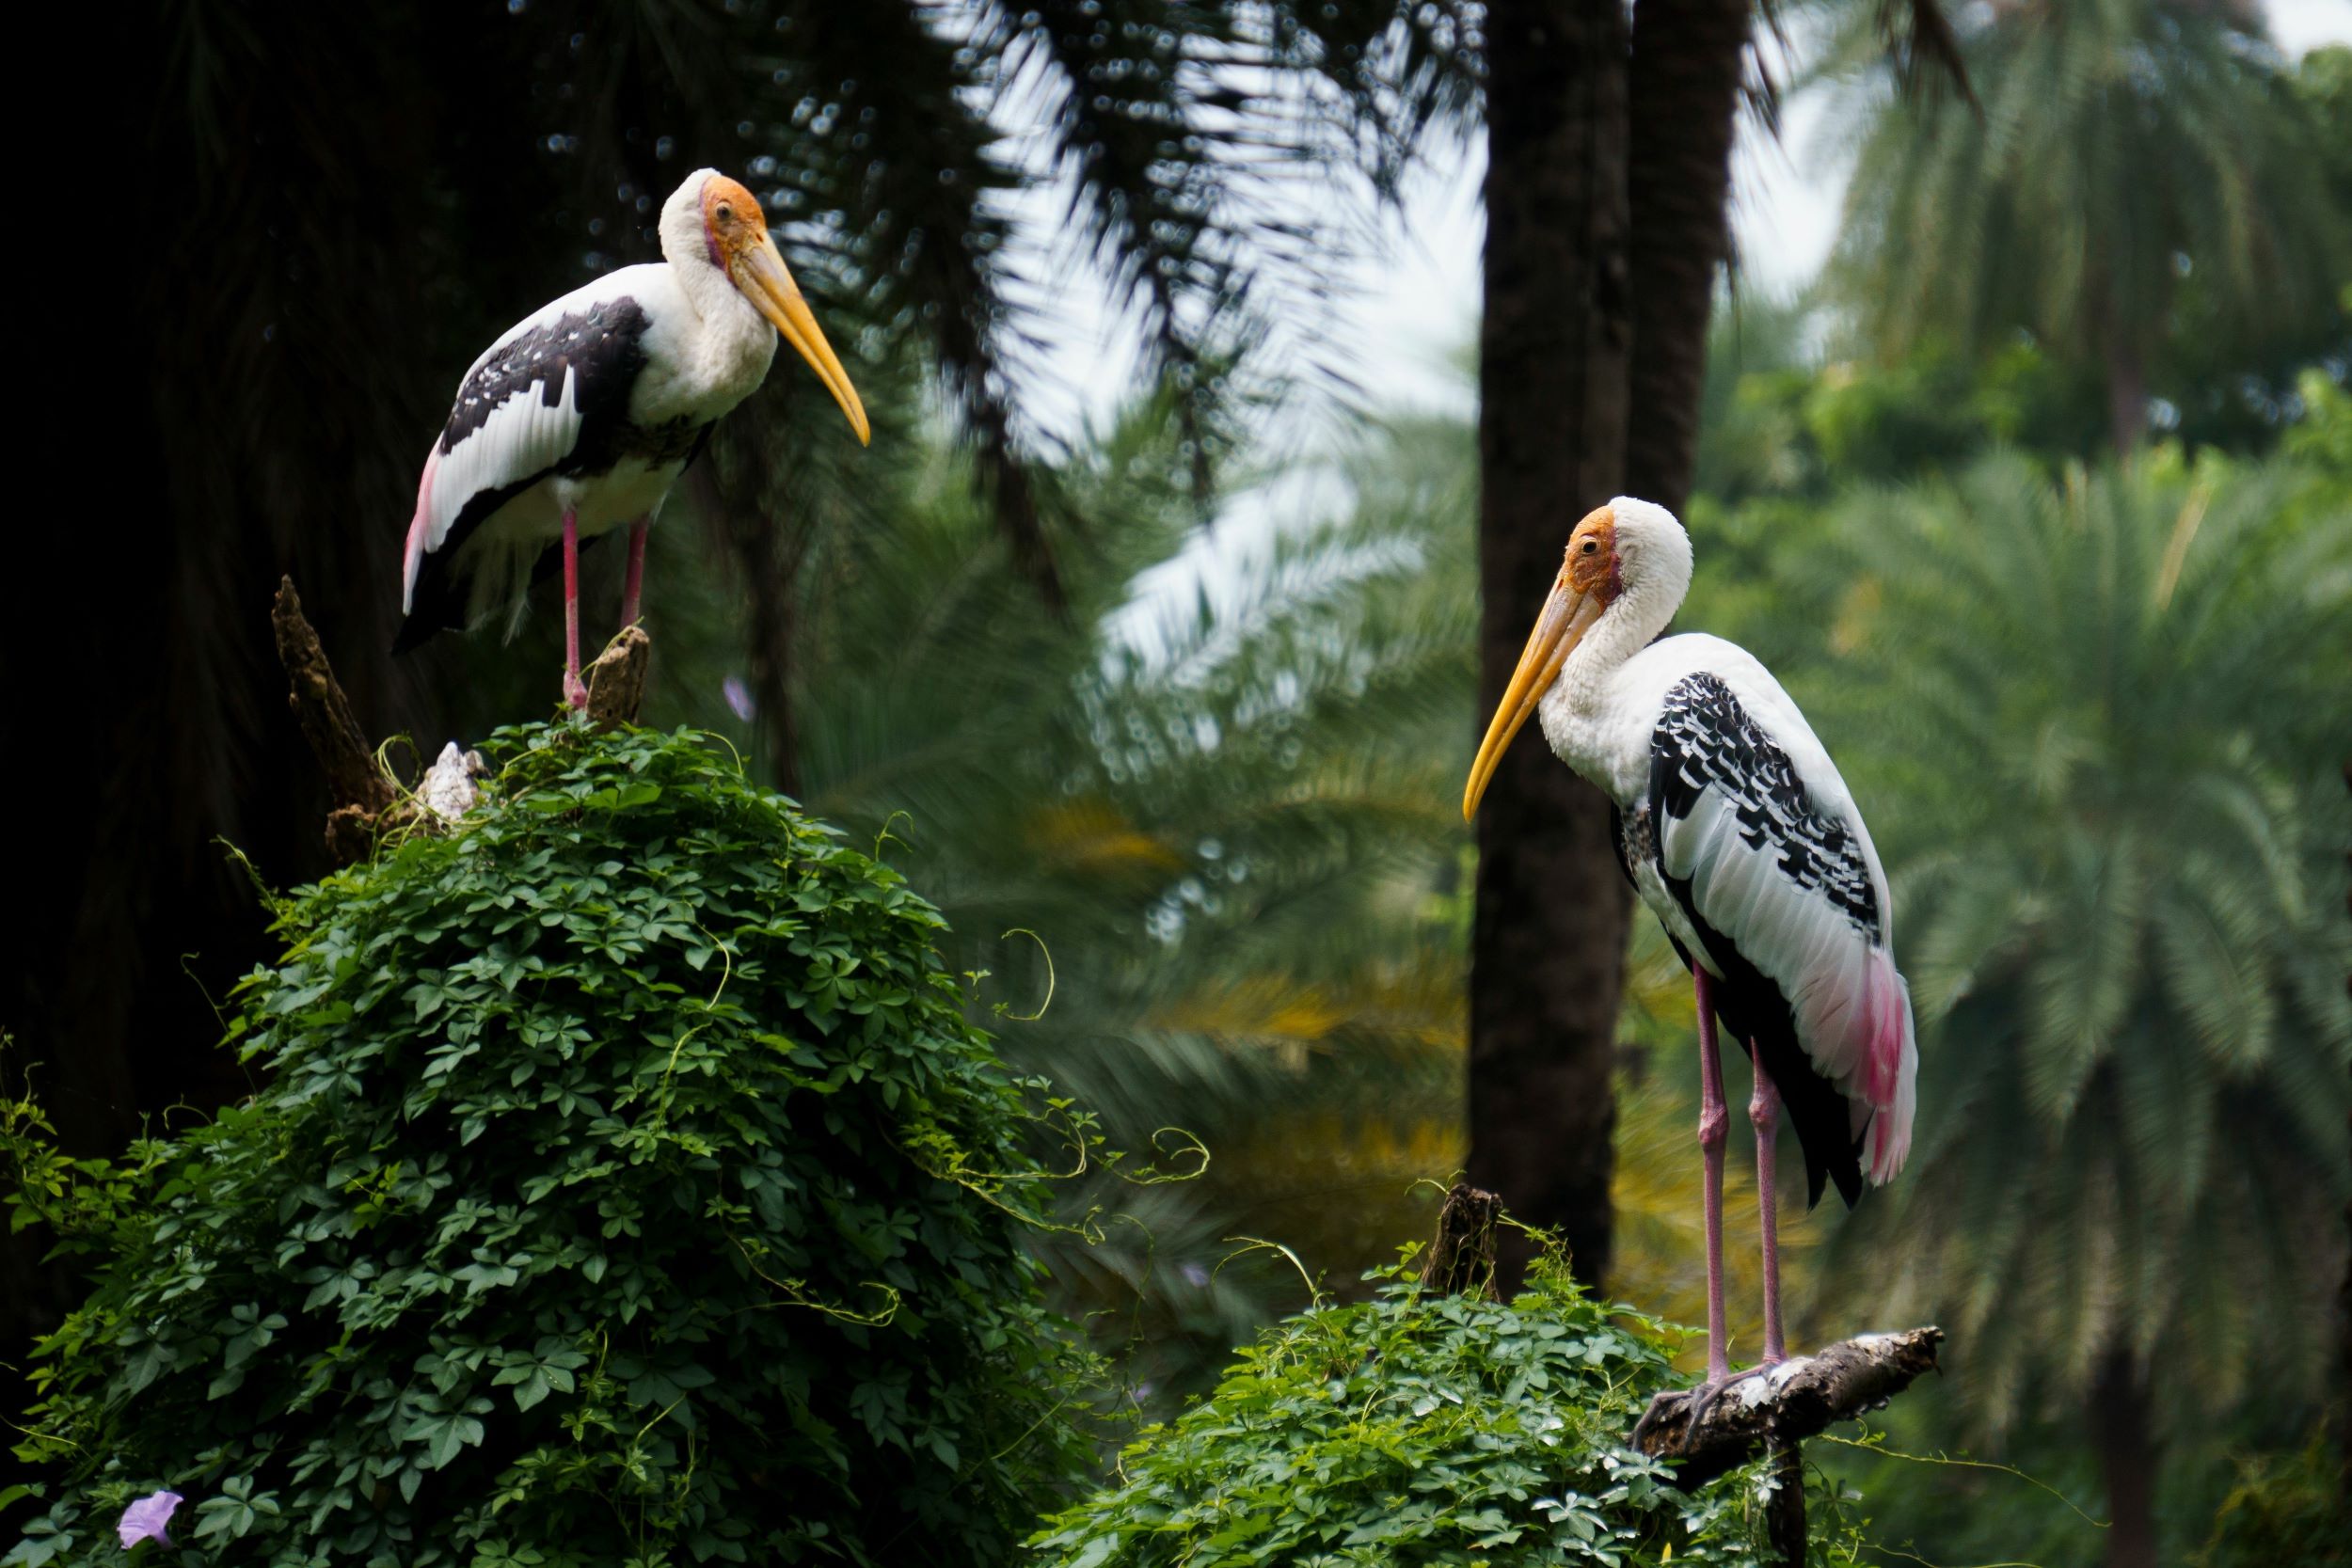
x=728 y=352
x=1653 y=557
x=686 y=245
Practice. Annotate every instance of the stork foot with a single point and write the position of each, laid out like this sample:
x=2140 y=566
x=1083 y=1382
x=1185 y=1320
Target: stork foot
x=575 y=690
x=1690 y=1405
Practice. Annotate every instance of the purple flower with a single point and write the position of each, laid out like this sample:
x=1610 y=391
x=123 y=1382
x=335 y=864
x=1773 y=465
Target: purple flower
x=145 y=1520
x=739 y=697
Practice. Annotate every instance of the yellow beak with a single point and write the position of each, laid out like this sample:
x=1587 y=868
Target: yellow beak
x=760 y=274
x=1568 y=615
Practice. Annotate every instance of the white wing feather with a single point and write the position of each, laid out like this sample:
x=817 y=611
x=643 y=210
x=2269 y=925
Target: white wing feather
x=522 y=435
x=1735 y=844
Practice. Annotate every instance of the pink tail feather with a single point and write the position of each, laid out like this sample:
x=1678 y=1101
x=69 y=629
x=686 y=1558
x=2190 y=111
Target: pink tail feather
x=419 y=531
x=1890 y=1068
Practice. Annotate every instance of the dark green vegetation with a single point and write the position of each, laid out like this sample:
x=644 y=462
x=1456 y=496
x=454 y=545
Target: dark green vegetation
x=2286 y=1508
x=625 y=1186
x=1417 y=1428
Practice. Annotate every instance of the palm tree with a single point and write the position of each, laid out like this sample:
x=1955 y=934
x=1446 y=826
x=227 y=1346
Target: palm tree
x=2107 y=720
x=2137 y=169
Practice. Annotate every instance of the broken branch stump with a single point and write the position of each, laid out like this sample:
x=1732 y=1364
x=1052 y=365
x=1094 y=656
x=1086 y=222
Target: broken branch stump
x=365 y=801
x=1461 y=1258
x=616 y=681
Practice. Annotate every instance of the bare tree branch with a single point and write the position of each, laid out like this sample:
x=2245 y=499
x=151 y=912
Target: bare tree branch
x=1782 y=1406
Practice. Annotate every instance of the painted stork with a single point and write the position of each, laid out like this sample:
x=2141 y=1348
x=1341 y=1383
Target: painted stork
x=581 y=415
x=1731 y=823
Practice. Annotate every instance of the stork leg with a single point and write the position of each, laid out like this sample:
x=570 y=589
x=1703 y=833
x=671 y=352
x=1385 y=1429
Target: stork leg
x=1715 y=1132
x=1764 y=1111
x=574 y=691
x=1764 y=1114
x=636 y=572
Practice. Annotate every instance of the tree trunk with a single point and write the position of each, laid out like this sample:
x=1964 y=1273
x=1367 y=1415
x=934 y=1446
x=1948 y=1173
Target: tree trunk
x=2128 y=1459
x=1685 y=92
x=1548 y=943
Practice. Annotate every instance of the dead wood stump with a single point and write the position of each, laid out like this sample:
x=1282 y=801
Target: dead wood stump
x=1461 y=1260
x=368 y=802
x=366 y=805
x=616 y=681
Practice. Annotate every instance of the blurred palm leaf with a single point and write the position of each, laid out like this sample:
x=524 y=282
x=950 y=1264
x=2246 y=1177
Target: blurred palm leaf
x=2133 y=165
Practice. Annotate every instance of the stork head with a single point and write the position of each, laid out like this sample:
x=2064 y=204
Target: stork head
x=712 y=219
x=1628 y=551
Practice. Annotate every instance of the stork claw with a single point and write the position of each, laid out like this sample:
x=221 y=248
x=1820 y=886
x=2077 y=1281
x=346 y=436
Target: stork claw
x=1699 y=1399
x=575 y=690
x=1703 y=1397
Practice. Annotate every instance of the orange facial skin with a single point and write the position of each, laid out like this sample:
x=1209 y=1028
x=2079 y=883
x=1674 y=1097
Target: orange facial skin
x=732 y=219
x=1591 y=565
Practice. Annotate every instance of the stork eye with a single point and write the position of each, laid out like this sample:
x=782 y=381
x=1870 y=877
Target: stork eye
x=1590 y=547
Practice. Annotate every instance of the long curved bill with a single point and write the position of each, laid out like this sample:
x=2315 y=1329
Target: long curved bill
x=1568 y=615
x=775 y=295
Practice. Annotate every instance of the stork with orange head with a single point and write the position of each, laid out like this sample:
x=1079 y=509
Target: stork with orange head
x=580 y=419
x=1734 y=827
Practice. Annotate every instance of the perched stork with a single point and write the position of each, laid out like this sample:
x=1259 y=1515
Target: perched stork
x=1732 y=823
x=581 y=415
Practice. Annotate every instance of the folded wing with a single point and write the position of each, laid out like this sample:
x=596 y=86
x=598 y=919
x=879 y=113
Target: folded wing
x=1758 y=841
x=529 y=409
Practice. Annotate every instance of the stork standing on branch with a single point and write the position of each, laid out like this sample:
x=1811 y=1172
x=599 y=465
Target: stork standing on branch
x=581 y=415
x=1733 y=825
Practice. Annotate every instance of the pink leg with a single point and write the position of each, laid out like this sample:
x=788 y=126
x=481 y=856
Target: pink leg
x=1764 y=1111
x=1714 y=1130
x=574 y=692
x=636 y=572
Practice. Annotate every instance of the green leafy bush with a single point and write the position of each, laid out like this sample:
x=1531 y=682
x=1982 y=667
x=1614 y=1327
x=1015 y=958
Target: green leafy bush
x=627 y=1186
x=1419 y=1428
